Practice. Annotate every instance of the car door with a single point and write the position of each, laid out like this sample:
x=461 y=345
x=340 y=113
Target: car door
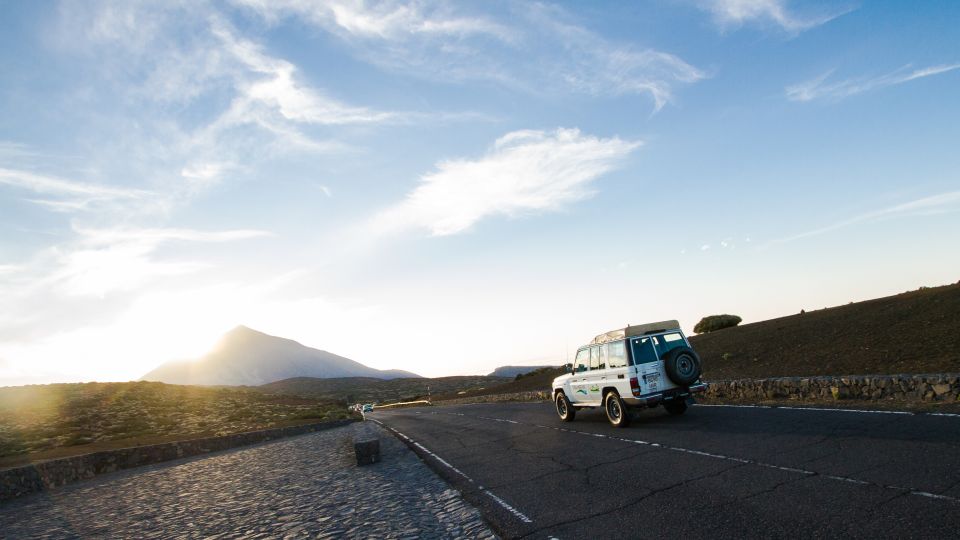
x=616 y=373
x=578 y=381
x=648 y=365
x=594 y=377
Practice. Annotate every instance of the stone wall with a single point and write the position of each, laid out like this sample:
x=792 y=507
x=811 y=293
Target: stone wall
x=917 y=388
x=18 y=481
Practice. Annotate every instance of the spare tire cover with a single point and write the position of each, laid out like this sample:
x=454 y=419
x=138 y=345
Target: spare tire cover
x=682 y=365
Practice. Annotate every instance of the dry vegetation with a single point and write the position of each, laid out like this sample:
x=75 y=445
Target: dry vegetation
x=44 y=418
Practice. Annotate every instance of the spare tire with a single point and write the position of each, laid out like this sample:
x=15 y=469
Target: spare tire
x=682 y=365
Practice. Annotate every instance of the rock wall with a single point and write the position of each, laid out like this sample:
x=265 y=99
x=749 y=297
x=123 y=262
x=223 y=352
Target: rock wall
x=19 y=481
x=918 y=388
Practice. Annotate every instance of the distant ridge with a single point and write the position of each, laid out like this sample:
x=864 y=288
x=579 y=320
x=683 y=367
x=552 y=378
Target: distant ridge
x=513 y=371
x=244 y=356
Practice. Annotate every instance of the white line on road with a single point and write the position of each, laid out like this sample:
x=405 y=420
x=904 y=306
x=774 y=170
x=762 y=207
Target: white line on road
x=869 y=411
x=736 y=406
x=518 y=514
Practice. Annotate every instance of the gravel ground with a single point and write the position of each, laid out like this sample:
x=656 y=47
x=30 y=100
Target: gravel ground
x=303 y=487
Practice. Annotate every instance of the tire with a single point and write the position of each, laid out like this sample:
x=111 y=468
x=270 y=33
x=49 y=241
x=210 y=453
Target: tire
x=564 y=408
x=682 y=366
x=675 y=407
x=616 y=410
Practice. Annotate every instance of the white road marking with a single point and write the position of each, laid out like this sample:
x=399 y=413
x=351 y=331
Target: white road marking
x=509 y=508
x=944 y=414
x=518 y=514
x=804 y=472
x=735 y=406
x=828 y=409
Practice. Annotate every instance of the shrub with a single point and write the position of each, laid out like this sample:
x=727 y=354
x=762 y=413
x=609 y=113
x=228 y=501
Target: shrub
x=712 y=323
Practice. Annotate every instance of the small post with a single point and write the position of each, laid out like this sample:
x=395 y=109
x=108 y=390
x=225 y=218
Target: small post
x=367 y=451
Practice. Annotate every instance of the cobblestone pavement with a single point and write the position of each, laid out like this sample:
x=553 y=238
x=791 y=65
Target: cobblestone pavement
x=303 y=487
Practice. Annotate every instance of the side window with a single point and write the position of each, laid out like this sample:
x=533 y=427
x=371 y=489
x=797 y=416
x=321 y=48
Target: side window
x=583 y=360
x=595 y=357
x=603 y=357
x=617 y=354
x=643 y=352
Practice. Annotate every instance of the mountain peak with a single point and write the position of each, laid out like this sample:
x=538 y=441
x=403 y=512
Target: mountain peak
x=244 y=356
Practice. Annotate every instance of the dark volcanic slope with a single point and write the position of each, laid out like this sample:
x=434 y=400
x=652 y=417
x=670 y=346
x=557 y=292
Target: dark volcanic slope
x=248 y=357
x=513 y=371
x=913 y=332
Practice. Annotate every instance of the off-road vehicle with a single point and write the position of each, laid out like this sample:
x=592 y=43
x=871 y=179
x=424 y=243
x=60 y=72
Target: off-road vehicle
x=638 y=366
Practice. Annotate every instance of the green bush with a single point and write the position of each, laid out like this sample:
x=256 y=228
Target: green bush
x=712 y=323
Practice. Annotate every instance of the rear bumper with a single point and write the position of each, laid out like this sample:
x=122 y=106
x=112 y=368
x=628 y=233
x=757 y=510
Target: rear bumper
x=652 y=400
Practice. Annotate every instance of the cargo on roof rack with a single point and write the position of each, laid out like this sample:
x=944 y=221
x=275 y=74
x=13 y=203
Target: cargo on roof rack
x=636 y=330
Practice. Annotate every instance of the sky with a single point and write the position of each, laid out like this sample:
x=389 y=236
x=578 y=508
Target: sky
x=447 y=187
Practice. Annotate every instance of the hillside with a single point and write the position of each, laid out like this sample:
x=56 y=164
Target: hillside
x=539 y=379
x=513 y=371
x=367 y=390
x=913 y=332
x=55 y=420
x=247 y=357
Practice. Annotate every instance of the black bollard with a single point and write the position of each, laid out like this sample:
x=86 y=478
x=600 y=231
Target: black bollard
x=367 y=451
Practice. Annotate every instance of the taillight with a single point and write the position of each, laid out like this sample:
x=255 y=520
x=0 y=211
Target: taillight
x=635 y=386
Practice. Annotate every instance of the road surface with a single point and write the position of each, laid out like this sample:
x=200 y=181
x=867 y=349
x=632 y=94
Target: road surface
x=716 y=472
x=307 y=486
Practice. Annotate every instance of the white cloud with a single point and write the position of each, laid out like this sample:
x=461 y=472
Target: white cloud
x=820 y=88
x=525 y=171
x=122 y=259
x=194 y=98
x=382 y=20
x=935 y=204
x=539 y=51
x=735 y=13
x=271 y=83
x=68 y=195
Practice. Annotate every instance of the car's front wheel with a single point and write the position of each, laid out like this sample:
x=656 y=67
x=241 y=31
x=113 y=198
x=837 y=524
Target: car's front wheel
x=616 y=410
x=564 y=408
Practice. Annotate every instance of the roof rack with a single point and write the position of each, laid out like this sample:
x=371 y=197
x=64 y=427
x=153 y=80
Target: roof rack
x=636 y=330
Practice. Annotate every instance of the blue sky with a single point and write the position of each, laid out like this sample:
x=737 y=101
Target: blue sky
x=449 y=187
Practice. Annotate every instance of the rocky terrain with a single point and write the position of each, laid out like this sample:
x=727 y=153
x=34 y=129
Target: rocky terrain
x=56 y=420
x=370 y=390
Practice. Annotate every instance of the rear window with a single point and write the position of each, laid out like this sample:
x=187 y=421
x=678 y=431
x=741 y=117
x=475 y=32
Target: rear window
x=643 y=352
x=666 y=342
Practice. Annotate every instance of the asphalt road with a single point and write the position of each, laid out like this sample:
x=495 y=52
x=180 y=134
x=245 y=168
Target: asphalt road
x=716 y=472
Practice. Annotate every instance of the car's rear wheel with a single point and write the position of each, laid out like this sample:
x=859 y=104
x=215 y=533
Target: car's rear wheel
x=617 y=412
x=564 y=408
x=676 y=407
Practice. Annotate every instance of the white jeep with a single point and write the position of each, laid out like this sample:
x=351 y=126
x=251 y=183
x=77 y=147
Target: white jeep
x=638 y=366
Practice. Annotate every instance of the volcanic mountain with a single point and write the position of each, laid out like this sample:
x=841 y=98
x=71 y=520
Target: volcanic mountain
x=247 y=357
